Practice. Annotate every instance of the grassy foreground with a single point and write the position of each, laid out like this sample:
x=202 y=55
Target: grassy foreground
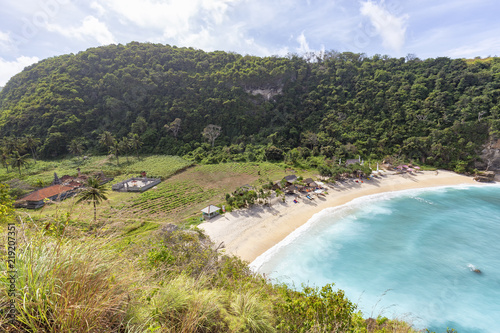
x=174 y=280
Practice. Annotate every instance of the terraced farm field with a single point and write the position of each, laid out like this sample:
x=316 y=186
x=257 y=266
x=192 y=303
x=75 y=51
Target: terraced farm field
x=170 y=198
x=184 y=194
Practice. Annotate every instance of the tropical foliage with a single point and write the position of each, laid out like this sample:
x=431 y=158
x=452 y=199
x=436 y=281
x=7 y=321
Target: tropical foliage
x=438 y=111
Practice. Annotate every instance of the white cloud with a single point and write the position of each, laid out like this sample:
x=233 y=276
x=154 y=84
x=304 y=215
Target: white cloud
x=391 y=28
x=4 y=37
x=6 y=43
x=486 y=47
x=91 y=27
x=11 y=68
x=304 y=46
x=100 y=9
x=174 y=17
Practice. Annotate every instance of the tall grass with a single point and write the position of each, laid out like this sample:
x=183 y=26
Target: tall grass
x=68 y=286
x=251 y=314
x=184 y=305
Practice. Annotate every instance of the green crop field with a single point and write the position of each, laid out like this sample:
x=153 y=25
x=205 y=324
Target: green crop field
x=42 y=172
x=170 y=197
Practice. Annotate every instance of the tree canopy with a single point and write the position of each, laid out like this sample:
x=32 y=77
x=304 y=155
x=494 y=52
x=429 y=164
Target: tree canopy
x=439 y=111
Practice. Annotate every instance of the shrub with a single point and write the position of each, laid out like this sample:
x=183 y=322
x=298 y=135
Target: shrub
x=319 y=310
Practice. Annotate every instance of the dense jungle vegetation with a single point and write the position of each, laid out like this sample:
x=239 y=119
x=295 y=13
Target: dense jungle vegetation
x=219 y=106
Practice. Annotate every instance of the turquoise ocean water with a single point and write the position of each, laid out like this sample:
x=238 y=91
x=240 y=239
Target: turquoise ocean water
x=405 y=254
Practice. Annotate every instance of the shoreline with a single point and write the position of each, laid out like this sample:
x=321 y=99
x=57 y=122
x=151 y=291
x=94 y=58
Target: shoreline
x=249 y=233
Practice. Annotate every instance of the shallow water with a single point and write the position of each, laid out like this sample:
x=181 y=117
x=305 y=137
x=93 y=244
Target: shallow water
x=406 y=254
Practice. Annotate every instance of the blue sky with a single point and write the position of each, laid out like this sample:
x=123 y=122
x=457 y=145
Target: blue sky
x=31 y=30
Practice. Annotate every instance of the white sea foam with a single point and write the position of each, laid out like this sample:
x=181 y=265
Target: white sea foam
x=347 y=208
x=368 y=246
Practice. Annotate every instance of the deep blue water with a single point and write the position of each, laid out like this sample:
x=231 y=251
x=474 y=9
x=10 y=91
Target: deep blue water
x=405 y=254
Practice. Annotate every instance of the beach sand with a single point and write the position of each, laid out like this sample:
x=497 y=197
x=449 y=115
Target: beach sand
x=248 y=233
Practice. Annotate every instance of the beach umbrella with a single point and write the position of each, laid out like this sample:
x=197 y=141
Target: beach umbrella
x=410 y=169
x=399 y=167
x=405 y=166
x=417 y=167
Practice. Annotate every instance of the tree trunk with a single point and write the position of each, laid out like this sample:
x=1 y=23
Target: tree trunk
x=33 y=153
x=95 y=213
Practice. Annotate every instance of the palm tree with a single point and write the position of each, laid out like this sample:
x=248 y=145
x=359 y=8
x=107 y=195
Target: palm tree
x=10 y=144
x=107 y=139
x=75 y=147
x=123 y=146
x=115 y=150
x=19 y=160
x=31 y=143
x=134 y=142
x=4 y=158
x=93 y=192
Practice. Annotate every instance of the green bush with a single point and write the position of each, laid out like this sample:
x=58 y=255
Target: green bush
x=314 y=309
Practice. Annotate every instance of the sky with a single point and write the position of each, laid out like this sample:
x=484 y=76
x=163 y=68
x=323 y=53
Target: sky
x=32 y=30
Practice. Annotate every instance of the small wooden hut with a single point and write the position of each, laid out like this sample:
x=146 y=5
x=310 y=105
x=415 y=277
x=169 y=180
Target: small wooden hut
x=210 y=211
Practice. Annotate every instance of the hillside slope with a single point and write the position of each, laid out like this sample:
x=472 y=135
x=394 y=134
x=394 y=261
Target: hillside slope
x=438 y=110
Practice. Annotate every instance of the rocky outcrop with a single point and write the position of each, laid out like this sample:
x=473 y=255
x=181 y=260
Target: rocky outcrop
x=168 y=228
x=490 y=157
x=485 y=176
x=266 y=93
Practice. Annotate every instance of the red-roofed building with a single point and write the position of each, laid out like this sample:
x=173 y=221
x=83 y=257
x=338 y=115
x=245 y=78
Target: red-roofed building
x=55 y=193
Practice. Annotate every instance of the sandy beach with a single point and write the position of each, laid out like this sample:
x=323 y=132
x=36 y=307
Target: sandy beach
x=248 y=233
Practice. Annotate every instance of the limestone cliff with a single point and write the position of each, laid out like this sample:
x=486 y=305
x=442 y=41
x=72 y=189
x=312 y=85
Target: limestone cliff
x=267 y=93
x=490 y=156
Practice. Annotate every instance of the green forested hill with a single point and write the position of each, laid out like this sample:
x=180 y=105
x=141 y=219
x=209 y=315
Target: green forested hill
x=341 y=104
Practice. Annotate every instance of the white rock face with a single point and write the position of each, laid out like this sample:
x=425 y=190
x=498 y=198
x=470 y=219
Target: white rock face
x=490 y=156
x=267 y=93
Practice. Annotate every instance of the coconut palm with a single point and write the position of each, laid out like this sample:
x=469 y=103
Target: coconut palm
x=4 y=158
x=76 y=147
x=134 y=142
x=19 y=160
x=10 y=144
x=107 y=139
x=30 y=142
x=123 y=147
x=115 y=150
x=93 y=192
